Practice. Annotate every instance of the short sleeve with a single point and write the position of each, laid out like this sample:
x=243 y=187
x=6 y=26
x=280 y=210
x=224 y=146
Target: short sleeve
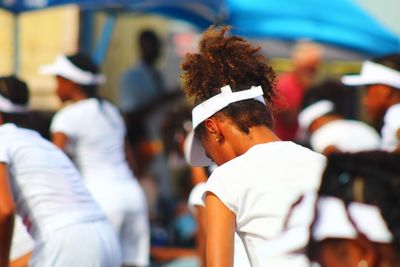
x=217 y=185
x=4 y=151
x=390 y=129
x=64 y=122
x=195 y=196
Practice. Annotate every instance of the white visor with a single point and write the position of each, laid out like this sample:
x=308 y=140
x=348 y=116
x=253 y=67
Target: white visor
x=333 y=221
x=313 y=112
x=373 y=73
x=195 y=153
x=64 y=68
x=9 y=107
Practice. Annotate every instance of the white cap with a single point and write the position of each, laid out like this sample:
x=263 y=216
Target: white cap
x=64 y=68
x=194 y=151
x=9 y=107
x=374 y=73
x=313 y=112
x=333 y=221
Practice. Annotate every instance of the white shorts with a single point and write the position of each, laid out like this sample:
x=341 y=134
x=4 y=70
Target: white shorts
x=125 y=206
x=91 y=244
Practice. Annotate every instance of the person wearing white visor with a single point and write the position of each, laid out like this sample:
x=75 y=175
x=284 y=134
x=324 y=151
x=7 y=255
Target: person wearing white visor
x=92 y=131
x=258 y=176
x=381 y=78
x=330 y=132
x=40 y=183
x=357 y=215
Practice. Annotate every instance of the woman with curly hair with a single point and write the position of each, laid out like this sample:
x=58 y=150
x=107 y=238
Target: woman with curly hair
x=258 y=176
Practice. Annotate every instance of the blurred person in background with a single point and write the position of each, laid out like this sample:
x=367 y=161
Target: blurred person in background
x=357 y=214
x=323 y=120
x=381 y=79
x=143 y=100
x=258 y=176
x=41 y=184
x=291 y=87
x=92 y=131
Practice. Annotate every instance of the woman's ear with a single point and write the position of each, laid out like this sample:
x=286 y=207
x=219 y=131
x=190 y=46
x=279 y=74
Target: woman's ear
x=212 y=127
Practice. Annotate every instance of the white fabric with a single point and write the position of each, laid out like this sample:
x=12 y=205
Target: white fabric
x=47 y=189
x=64 y=68
x=195 y=199
x=260 y=186
x=27 y=156
x=92 y=244
x=22 y=242
x=9 y=107
x=96 y=135
x=313 y=112
x=195 y=154
x=374 y=73
x=346 y=135
x=333 y=221
x=391 y=126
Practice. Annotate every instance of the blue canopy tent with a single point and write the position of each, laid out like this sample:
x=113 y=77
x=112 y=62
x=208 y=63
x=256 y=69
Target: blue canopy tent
x=341 y=23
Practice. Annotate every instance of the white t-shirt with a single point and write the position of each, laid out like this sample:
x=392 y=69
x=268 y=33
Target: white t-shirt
x=391 y=125
x=96 y=135
x=195 y=199
x=261 y=185
x=47 y=189
x=346 y=135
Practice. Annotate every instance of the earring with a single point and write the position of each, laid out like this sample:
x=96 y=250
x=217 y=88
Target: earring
x=362 y=263
x=218 y=139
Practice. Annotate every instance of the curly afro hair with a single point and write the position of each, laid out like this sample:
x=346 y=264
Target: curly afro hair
x=229 y=60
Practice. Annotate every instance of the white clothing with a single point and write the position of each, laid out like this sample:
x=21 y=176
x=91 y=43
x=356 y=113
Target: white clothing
x=261 y=185
x=49 y=193
x=22 y=242
x=96 y=135
x=391 y=126
x=80 y=245
x=240 y=257
x=346 y=135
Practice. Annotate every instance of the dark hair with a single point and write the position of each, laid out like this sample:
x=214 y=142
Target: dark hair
x=17 y=92
x=333 y=91
x=390 y=60
x=378 y=172
x=85 y=63
x=173 y=127
x=229 y=60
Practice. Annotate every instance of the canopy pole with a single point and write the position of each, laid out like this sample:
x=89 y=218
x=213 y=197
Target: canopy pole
x=104 y=40
x=17 y=44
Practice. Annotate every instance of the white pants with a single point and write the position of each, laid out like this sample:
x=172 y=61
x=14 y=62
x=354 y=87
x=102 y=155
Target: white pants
x=91 y=244
x=125 y=206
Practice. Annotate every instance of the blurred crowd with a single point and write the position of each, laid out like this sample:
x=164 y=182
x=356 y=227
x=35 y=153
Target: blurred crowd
x=242 y=167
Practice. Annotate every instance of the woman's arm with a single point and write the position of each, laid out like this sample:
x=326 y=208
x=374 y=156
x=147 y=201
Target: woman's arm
x=220 y=233
x=7 y=211
x=60 y=139
x=201 y=235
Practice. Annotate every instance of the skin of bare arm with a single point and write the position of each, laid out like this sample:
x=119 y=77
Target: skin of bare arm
x=220 y=233
x=201 y=235
x=59 y=139
x=21 y=261
x=7 y=211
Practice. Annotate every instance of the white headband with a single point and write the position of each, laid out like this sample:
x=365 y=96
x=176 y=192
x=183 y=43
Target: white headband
x=333 y=221
x=64 y=68
x=194 y=151
x=214 y=104
x=9 y=107
x=374 y=73
x=314 y=111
